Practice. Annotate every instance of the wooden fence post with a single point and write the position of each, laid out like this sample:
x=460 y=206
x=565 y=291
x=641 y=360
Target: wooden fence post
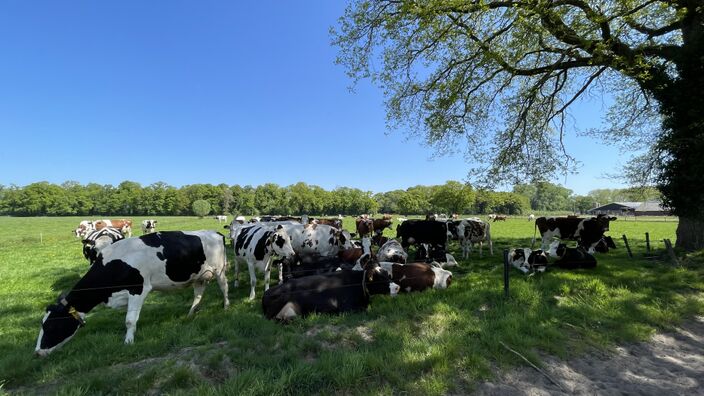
x=647 y=242
x=506 y=269
x=671 y=252
x=628 y=247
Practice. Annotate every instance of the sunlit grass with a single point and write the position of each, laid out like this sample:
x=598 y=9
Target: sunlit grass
x=424 y=343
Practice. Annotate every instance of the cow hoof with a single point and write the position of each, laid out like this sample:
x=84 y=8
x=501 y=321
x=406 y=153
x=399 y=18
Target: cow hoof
x=129 y=340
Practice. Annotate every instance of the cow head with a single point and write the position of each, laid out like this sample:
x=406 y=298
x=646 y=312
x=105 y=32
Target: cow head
x=443 y=278
x=281 y=242
x=376 y=280
x=343 y=239
x=60 y=324
x=604 y=220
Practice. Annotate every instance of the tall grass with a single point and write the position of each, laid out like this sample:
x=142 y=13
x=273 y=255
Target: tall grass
x=424 y=343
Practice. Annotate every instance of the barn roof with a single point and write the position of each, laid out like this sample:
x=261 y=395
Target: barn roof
x=647 y=206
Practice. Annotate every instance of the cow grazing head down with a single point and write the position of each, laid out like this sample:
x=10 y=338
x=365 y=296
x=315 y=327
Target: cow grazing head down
x=60 y=324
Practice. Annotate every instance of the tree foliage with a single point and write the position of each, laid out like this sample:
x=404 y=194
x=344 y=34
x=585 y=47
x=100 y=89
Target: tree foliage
x=502 y=75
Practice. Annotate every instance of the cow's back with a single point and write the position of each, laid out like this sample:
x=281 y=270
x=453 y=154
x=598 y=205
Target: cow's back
x=170 y=258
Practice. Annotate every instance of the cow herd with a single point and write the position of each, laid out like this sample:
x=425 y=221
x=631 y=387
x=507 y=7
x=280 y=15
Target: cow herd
x=321 y=267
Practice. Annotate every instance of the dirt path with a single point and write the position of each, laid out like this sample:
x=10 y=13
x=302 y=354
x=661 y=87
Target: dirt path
x=670 y=364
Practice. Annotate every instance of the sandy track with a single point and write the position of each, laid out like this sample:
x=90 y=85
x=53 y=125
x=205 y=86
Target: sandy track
x=669 y=364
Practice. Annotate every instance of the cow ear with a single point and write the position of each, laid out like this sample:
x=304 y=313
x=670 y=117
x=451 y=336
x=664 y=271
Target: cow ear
x=279 y=227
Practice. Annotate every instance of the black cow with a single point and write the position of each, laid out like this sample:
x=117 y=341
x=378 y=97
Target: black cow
x=336 y=292
x=96 y=240
x=422 y=231
x=587 y=232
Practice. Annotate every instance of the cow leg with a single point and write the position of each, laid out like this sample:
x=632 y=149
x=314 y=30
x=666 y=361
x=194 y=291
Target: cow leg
x=281 y=272
x=252 y=279
x=491 y=247
x=236 y=282
x=222 y=282
x=134 y=306
x=267 y=274
x=198 y=289
x=481 y=247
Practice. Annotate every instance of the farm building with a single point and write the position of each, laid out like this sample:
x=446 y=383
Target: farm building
x=647 y=208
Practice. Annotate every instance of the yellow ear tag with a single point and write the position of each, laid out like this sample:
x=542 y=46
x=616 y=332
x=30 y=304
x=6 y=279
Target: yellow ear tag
x=72 y=311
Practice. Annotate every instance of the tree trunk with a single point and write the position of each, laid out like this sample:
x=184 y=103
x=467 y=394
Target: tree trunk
x=690 y=234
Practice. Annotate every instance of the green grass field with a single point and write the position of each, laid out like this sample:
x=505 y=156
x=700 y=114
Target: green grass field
x=435 y=342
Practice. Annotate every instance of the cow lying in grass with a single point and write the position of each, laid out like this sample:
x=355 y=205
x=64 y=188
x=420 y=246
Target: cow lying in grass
x=336 y=292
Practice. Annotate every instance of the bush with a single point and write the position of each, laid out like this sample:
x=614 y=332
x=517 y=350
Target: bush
x=201 y=207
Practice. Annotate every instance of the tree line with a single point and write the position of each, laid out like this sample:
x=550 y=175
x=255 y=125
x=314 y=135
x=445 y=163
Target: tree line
x=160 y=199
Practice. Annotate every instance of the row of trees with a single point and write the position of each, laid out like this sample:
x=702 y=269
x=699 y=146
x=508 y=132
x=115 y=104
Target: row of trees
x=130 y=198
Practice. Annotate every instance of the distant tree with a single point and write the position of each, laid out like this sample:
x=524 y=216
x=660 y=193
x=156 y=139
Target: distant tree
x=201 y=207
x=453 y=197
x=583 y=203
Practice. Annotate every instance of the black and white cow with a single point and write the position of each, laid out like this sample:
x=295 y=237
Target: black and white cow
x=148 y=226
x=96 y=240
x=586 y=231
x=571 y=258
x=256 y=244
x=124 y=273
x=418 y=276
x=221 y=218
x=335 y=292
x=471 y=231
x=527 y=260
x=604 y=245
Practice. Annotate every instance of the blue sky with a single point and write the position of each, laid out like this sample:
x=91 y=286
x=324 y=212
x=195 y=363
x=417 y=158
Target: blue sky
x=208 y=92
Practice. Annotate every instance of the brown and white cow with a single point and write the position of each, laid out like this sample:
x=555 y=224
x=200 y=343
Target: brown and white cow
x=124 y=225
x=364 y=225
x=417 y=276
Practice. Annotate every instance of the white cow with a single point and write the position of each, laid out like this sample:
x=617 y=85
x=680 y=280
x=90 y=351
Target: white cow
x=221 y=218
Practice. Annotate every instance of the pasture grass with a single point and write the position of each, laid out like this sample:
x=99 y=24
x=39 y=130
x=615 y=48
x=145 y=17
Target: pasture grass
x=436 y=342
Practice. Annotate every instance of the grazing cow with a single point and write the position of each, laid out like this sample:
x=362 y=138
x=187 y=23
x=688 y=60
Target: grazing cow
x=96 y=240
x=528 y=260
x=221 y=218
x=336 y=292
x=255 y=244
x=422 y=231
x=491 y=217
x=393 y=252
x=571 y=258
x=587 y=232
x=364 y=225
x=148 y=226
x=471 y=231
x=500 y=218
x=417 y=276
x=84 y=227
x=124 y=225
x=531 y=217
x=124 y=273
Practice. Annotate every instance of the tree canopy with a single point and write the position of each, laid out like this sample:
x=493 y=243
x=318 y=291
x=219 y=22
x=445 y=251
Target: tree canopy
x=502 y=76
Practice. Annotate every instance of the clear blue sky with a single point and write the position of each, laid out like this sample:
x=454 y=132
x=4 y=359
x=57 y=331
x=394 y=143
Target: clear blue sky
x=207 y=92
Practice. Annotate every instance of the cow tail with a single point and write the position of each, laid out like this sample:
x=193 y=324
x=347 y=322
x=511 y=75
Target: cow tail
x=535 y=230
